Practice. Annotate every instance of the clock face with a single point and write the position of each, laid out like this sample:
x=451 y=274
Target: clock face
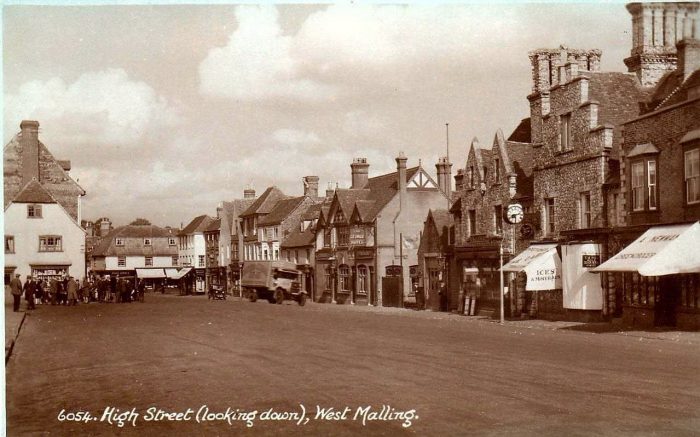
x=515 y=213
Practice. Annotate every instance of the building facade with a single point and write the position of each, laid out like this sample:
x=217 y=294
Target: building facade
x=192 y=249
x=40 y=240
x=367 y=242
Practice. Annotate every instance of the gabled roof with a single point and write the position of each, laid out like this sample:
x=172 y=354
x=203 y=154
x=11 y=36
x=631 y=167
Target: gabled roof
x=313 y=212
x=363 y=210
x=441 y=218
x=522 y=133
x=214 y=225
x=198 y=224
x=33 y=192
x=133 y=236
x=672 y=89
x=231 y=211
x=265 y=203
x=281 y=211
x=297 y=238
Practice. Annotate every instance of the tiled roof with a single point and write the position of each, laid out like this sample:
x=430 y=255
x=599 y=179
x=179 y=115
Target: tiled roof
x=281 y=211
x=133 y=236
x=33 y=192
x=442 y=219
x=672 y=89
x=265 y=203
x=522 y=133
x=312 y=212
x=198 y=224
x=297 y=238
x=214 y=225
x=232 y=210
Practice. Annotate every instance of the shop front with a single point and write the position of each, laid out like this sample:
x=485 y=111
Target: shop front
x=476 y=280
x=658 y=275
x=536 y=283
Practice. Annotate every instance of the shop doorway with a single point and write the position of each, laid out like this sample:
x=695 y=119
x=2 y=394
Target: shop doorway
x=667 y=298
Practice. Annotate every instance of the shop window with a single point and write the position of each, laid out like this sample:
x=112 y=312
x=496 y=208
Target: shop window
x=585 y=210
x=121 y=261
x=9 y=244
x=344 y=277
x=692 y=176
x=362 y=280
x=34 y=211
x=50 y=243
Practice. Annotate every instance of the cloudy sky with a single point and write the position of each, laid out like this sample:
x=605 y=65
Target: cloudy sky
x=166 y=110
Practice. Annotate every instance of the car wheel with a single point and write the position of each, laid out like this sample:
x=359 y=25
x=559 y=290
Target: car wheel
x=252 y=295
x=279 y=296
x=302 y=299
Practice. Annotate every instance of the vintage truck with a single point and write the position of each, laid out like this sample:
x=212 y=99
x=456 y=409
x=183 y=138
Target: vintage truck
x=272 y=280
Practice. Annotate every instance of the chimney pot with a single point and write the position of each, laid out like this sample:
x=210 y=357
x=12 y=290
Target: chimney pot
x=249 y=193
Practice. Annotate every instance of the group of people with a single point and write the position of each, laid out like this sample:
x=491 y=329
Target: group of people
x=67 y=291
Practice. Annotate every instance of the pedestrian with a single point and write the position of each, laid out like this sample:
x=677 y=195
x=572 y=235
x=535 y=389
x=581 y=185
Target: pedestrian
x=63 y=291
x=142 y=290
x=101 y=289
x=29 y=291
x=16 y=289
x=72 y=290
x=112 y=288
x=39 y=296
x=53 y=287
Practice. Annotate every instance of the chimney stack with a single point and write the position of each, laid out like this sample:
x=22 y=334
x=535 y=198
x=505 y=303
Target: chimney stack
x=656 y=29
x=459 y=180
x=249 y=193
x=310 y=186
x=360 y=172
x=444 y=174
x=688 y=56
x=401 y=174
x=29 y=144
x=329 y=192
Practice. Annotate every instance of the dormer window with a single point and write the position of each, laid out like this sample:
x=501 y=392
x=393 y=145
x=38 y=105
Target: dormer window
x=146 y=241
x=118 y=241
x=34 y=211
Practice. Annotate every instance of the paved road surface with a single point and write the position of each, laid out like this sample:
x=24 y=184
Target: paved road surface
x=459 y=375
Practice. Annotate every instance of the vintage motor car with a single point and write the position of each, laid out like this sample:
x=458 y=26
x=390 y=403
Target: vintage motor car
x=272 y=280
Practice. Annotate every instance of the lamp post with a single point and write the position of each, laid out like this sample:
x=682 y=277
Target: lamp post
x=514 y=215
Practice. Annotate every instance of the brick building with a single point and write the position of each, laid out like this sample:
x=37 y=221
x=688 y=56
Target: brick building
x=367 y=242
x=492 y=180
x=192 y=250
x=231 y=237
x=215 y=270
x=660 y=179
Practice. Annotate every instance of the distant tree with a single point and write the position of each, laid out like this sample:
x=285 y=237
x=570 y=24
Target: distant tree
x=140 y=221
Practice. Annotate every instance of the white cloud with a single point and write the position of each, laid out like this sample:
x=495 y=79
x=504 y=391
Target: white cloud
x=295 y=137
x=257 y=62
x=99 y=107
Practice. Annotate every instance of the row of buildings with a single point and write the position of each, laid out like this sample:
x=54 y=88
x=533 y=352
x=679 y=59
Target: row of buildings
x=587 y=210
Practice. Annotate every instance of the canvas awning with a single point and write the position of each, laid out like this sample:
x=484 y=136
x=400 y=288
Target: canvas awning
x=542 y=265
x=179 y=274
x=150 y=273
x=169 y=273
x=661 y=250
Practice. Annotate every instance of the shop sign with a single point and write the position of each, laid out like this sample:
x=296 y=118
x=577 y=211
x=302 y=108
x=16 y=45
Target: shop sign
x=394 y=270
x=590 y=260
x=364 y=253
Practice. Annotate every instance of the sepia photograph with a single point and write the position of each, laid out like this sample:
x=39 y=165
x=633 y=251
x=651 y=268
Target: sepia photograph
x=351 y=218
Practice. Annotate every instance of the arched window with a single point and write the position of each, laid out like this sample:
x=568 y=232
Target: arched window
x=362 y=280
x=344 y=277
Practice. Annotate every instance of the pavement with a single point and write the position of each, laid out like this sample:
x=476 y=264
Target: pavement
x=13 y=322
x=405 y=372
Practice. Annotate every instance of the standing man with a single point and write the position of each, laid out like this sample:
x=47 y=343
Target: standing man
x=29 y=291
x=72 y=291
x=16 y=289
